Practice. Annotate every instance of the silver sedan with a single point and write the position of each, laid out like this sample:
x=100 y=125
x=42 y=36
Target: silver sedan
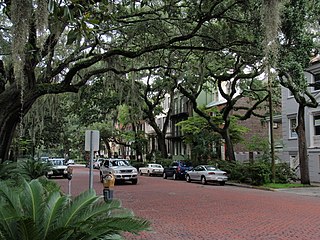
x=207 y=173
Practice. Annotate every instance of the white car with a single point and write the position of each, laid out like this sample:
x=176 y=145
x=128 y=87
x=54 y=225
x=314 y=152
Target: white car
x=120 y=168
x=70 y=162
x=151 y=169
x=97 y=163
x=207 y=173
x=58 y=167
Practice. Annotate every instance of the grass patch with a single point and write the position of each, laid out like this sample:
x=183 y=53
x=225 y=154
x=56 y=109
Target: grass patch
x=285 y=185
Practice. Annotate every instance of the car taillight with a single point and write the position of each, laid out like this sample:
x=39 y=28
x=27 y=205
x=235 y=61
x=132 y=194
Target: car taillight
x=211 y=173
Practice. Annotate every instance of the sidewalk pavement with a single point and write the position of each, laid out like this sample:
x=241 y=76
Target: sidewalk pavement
x=313 y=190
x=306 y=191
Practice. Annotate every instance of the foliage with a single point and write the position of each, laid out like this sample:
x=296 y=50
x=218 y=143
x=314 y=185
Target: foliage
x=48 y=185
x=298 y=42
x=202 y=137
x=32 y=169
x=7 y=171
x=164 y=162
x=256 y=143
x=137 y=164
x=257 y=172
x=30 y=212
x=13 y=173
x=284 y=173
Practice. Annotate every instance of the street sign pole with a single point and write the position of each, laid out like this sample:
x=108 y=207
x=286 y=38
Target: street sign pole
x=91 y=144
x=91 y=162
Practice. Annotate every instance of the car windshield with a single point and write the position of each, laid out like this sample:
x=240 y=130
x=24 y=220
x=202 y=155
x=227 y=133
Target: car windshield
x=186 y=164
x=116 y=163
x=57 y=162
x=156 y=166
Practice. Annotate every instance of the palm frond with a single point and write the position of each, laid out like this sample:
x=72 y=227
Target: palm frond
x=26 y=229
x=33 y=199
x=33 y=213
x=78 y=207
x=55 y=206
x=10 y=198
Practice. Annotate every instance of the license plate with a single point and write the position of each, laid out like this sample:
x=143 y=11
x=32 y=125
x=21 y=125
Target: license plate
x=126 y=178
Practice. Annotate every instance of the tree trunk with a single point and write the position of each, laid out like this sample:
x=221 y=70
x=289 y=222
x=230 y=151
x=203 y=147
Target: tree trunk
x=229 y=145
x=162 y=145
x=10 y=115
x=303 y=154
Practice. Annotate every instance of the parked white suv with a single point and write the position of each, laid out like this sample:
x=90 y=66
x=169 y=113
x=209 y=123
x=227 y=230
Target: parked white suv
x=120 y=168
x=58 y=167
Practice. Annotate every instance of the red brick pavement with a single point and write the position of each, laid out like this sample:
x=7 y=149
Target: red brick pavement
x=178 y=210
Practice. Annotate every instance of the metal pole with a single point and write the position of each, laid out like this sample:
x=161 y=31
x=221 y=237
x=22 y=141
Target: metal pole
x=69 y=187
x=91 y=162
x=273 y=162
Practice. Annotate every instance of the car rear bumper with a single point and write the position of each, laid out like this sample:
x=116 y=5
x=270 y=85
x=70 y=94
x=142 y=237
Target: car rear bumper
x=217 y=179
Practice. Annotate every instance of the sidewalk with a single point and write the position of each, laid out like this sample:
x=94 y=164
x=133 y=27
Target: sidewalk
x=313 y=190
x=306 y=191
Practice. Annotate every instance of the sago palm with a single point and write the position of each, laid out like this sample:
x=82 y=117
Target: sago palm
x=32 y=169
x=33 y=213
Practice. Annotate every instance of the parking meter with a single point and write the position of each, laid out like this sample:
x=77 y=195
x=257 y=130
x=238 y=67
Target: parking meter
x=69 y=175
x=108 y=184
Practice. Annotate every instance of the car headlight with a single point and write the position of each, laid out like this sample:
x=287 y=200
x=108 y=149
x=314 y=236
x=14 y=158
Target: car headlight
x=134 y=171
x=116 y=171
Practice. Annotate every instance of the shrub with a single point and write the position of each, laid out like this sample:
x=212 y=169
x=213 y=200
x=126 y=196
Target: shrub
x=284 y=173
x=256 y=173
x=165 y=162
x=259 y=173
x=137 y=164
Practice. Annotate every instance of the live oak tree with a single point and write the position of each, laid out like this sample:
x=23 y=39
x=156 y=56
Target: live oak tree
x=231 y=62
x=203 y=139
x=297 y=45
x=242 y=93
x=59 y=47
x=154 y=91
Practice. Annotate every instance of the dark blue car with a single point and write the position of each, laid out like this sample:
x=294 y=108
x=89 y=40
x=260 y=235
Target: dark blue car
x=177 y=170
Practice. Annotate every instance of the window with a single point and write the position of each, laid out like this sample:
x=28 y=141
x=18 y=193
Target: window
x=317 y=81
x=292 y=127
x=316 y=119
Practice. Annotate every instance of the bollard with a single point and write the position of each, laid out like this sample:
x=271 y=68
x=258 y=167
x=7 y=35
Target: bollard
x=108 y=185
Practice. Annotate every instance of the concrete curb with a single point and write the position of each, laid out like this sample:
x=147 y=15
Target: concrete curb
x=250 y=186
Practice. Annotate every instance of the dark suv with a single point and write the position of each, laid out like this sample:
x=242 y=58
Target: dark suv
x=177 y=170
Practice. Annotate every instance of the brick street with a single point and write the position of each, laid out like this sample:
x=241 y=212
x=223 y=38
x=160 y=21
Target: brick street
x=191 y=211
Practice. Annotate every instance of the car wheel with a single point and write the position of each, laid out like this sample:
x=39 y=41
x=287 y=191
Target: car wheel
x=174 y=176
x=222 y=183
x=203 y=180
x=164 y=175
x=101 y=178
x=188 y=179
x=134 y=181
